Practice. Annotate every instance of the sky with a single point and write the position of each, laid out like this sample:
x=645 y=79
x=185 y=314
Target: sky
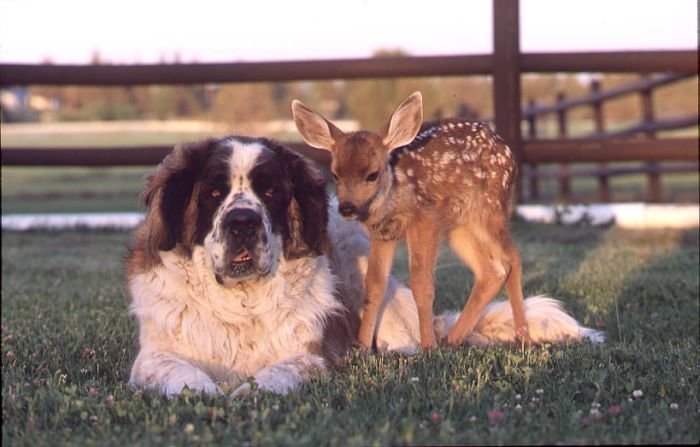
x=152 y=31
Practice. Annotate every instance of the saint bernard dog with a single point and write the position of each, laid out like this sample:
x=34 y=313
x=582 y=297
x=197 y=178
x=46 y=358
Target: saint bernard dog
x=243 y=271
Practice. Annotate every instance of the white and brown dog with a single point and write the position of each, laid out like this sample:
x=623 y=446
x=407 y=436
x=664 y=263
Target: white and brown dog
x=241 y=268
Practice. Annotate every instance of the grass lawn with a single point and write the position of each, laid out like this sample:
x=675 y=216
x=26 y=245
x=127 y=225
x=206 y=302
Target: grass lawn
x=72 y=189
x=67 y=346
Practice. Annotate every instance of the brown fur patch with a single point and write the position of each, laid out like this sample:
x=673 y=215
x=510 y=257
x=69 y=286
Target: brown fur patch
x=339 y=335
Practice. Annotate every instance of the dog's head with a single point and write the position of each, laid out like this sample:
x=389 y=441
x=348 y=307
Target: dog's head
x=246 y=201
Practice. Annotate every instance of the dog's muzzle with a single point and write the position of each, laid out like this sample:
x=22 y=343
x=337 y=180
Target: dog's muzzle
x=246 y=250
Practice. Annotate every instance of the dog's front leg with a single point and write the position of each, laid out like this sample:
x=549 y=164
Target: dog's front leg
x=381 y=254
x=283 y=376
x=169 y=374
x=422 y=238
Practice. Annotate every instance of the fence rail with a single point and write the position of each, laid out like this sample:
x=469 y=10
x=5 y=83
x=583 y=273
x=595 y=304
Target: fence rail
x=385 y=67
x=600 y=96
x=605 y=146
x=116 y=156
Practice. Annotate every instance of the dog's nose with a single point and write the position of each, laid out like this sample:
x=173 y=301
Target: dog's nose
x=347 y=209
x=243 y=221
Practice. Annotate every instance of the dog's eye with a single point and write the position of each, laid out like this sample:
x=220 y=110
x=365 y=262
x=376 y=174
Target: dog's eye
x=373 y=177
x=215 y=193
x=270 y=192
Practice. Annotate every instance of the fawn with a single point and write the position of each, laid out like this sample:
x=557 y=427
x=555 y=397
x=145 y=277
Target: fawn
x=452 y=180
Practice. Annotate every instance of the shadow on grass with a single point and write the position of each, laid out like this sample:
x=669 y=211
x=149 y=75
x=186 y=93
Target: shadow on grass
x=660 y=300
x=548 y=253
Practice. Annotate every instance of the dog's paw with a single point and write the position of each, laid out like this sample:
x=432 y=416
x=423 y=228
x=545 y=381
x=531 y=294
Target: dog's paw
x=246 y=388
x=197 y=382
x=243 y=390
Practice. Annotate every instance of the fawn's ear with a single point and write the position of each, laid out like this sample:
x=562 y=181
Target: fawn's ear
x=404 y=123
x=315 y=129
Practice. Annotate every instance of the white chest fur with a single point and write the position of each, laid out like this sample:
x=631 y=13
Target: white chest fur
x=231 y=333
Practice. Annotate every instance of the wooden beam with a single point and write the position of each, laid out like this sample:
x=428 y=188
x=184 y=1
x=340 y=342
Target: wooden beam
x=506 y=77
x=162 y=74
x=681 y=61
x=594 y=150
x=383 y=67
x=116 y=156
x=598 y=96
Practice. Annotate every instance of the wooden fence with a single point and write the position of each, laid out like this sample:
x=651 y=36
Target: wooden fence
x=505 y=65
x=649 y=127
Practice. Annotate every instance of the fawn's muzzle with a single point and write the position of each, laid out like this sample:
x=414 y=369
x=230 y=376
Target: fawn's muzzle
x=347 y=210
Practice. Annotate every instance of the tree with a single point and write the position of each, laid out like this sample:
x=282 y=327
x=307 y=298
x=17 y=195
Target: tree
x=244 y=102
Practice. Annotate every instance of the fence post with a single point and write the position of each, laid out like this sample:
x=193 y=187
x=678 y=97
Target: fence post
x=654 y=193
x=506 y=79
x=564 y=179
x=534 y=182
x=599 y=118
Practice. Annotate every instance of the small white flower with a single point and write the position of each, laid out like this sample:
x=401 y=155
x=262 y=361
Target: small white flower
x=415 y=380
x=518 y=407
x=539 y=391
x=518 y=397
x=673 y=406
x=637 y=394
x=630 y=400
x=595 y=405
x=535 y=399
x=189 y=428
x=472 y=419
x=595 y=412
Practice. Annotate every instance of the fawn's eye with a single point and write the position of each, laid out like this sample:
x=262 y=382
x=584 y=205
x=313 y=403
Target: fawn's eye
x=270 y=192
x=373 y=177
x=215 y=193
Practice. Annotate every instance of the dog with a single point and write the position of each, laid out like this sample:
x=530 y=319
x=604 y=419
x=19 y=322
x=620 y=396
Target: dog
x=453 y=181
x=242 y=271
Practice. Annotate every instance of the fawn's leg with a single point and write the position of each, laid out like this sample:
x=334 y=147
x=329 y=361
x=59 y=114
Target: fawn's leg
x=514 y=288
x=485 y=258
x=423 y=240
x=381 y=255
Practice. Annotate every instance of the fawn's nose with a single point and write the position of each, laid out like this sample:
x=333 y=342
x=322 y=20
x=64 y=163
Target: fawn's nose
x=243 y=222
x=347 y=209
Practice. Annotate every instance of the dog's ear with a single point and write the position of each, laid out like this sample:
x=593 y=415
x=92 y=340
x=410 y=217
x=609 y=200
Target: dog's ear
x=168 y=196
x=307 y=214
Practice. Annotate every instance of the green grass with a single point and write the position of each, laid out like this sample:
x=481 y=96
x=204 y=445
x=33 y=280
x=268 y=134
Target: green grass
x=85 y=138
x=67 y=345
x=71 y=189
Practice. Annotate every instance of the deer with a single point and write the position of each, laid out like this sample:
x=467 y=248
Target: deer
x=426 y=183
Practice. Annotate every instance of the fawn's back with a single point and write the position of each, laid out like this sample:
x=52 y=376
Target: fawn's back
x=456 y=168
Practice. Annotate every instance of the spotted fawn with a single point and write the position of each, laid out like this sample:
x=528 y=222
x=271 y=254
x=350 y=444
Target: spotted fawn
x=448 y=180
